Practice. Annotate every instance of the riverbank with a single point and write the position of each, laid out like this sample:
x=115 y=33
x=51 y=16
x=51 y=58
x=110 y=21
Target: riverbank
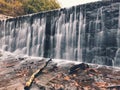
x=16 y=70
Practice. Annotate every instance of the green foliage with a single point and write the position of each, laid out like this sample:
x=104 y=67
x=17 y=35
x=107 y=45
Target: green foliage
x=22 y=7
x=32 y=6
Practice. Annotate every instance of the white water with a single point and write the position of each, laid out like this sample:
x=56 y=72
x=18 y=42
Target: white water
x=27 y=36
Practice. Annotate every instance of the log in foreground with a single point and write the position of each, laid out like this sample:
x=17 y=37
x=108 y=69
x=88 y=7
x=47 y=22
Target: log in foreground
x=34 y=75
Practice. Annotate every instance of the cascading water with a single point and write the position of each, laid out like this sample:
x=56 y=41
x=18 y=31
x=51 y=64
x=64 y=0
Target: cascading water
x=88 y=33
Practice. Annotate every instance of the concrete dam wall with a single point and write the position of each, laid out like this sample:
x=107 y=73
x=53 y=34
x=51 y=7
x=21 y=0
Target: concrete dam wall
x=88 y=33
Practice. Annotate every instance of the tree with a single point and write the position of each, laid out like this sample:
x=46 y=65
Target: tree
x=33 y=6
x=22 y=7
x=11 y=7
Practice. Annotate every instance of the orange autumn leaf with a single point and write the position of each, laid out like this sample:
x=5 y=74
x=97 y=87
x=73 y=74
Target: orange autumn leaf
x=67 y=78
x=101 y=84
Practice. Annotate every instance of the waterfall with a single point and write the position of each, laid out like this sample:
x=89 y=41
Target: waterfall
x=87 y=33
x=117 y=55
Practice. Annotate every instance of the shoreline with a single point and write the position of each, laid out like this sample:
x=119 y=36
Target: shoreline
x=16 y=70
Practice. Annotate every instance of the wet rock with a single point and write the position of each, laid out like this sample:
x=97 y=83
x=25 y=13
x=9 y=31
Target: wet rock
x=114 y=87
x=56 y=77
x=77 y=67
x=21 y=58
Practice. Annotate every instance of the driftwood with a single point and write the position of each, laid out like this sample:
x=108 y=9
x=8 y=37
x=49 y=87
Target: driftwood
x=34 y=75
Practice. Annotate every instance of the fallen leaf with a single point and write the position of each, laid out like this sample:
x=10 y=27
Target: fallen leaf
x=67 y=78
x=74 y=75
x=76 y=84
x=101 y=84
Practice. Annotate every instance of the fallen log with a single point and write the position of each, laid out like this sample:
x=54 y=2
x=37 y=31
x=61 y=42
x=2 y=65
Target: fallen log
x=34 y=75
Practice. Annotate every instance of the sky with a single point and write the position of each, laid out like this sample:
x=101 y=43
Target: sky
x=69 y=3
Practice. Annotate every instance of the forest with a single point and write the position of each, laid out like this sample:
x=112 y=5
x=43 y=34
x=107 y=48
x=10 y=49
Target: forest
x=22 y=7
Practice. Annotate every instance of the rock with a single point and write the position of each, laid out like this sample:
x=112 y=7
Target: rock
x=115 y=87
x=56 y=77
x=77 y=67
x=3 y=17
x=21 y=58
